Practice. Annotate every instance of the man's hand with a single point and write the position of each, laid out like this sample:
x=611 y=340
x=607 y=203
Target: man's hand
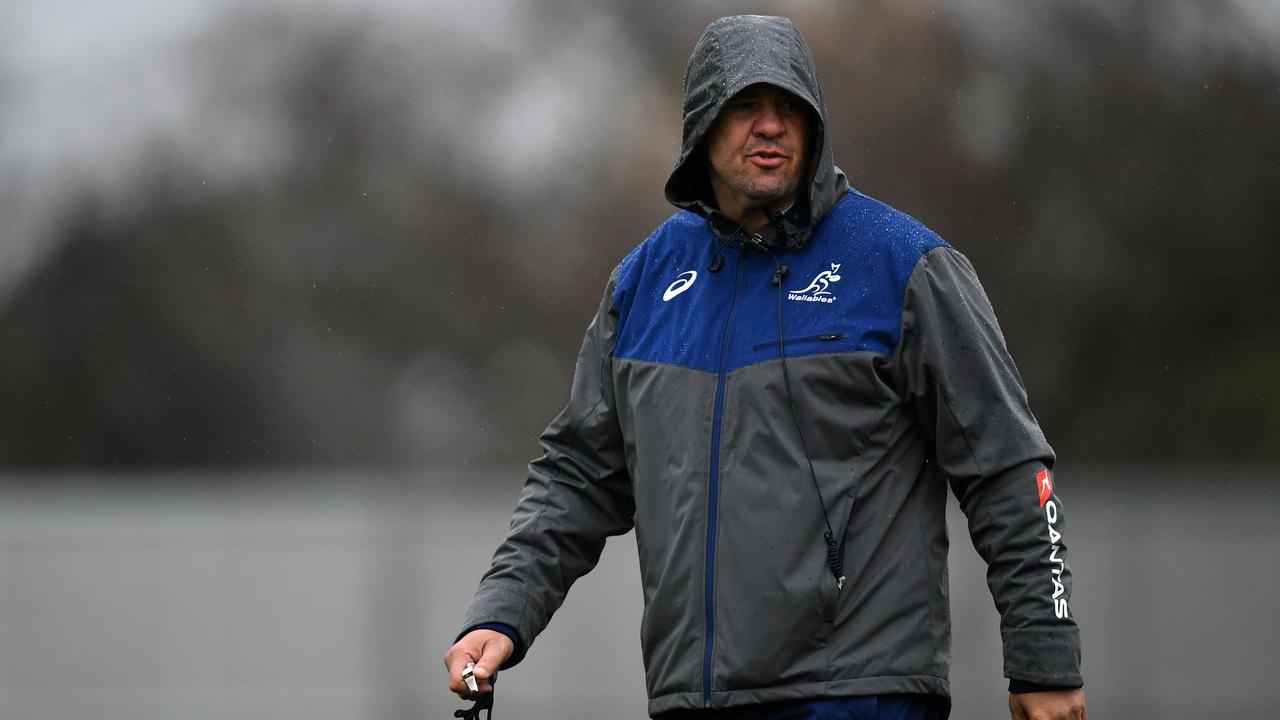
x=488 y=649
x=1048 y=705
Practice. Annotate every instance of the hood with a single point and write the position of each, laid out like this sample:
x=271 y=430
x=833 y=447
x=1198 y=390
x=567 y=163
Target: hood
x=732 y=54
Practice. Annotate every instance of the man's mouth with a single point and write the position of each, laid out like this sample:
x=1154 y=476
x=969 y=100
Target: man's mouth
x=767 y=158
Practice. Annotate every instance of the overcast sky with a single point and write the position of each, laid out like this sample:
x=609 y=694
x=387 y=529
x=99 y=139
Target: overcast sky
x=88 y=88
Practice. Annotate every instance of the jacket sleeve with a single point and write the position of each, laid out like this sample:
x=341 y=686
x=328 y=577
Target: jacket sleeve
x=577 y=494
x=973 y=406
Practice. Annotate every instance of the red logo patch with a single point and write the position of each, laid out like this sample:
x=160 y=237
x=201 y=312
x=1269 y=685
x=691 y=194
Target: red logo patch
x=1044 y=485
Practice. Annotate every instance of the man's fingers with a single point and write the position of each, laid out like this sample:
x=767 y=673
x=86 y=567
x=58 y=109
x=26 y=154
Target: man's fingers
x=495 y=650
x=488 y=650
x=456 y=661
x=457 y=684
x=495 y=653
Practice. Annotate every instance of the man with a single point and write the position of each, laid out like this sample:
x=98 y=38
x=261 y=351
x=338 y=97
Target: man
x=776 y=388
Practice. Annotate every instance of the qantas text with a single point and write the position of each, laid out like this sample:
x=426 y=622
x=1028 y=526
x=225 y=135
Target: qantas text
x=1057 y=563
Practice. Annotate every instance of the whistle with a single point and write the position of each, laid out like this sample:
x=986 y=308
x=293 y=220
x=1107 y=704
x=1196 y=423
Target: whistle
x=468 y=675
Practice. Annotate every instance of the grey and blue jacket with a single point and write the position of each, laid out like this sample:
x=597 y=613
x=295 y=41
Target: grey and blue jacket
x=682 y=425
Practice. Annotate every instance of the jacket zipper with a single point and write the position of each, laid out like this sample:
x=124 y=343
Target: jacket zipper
x=713 y=489
x=806 y=338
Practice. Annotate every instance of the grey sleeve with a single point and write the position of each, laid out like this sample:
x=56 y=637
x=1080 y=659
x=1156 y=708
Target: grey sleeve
x=973 y=406
x=577 y=494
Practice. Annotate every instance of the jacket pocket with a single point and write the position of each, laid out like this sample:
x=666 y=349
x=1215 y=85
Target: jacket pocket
x=842 y=529
x=824 y=337
x=835 y=588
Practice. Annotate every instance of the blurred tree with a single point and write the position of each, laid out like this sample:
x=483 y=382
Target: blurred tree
x=404 y=275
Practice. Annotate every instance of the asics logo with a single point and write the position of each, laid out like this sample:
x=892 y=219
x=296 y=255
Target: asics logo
x=817 y=290
x=683 y=282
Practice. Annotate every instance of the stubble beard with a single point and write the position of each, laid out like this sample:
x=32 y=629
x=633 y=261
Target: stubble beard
x=764 y=192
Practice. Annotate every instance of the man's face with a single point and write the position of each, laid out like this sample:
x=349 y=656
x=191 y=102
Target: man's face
x=756 y=150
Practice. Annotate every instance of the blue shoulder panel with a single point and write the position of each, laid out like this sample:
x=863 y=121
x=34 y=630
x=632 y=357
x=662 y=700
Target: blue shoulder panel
x=843 y=291
x=670 y=306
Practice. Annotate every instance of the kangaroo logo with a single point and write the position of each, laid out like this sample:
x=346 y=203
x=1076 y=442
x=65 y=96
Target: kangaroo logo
x=817 y=290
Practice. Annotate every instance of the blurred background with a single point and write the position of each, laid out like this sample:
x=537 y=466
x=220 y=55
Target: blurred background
x=289 y=288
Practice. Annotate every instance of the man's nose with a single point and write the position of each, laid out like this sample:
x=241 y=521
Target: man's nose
x=769 y=123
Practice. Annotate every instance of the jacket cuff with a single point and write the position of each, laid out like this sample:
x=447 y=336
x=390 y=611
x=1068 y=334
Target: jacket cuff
x=1047 y=656
x=505 y=606
x=1022 y=686
x=516 y=655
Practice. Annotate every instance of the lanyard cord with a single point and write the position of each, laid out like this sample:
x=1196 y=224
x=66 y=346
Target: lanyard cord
x=717 y=258
x=483 y=702
x=835 y=559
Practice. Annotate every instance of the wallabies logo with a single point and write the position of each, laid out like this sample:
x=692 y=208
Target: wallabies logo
x=817 y=290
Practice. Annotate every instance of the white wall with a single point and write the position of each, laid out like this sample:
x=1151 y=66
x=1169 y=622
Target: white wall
x=335 y=596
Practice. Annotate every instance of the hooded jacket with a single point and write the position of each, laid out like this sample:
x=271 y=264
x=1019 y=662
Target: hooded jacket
x=686 y=423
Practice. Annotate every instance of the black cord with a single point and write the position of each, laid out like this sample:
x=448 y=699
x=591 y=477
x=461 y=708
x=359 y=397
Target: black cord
x=834 y=552
x=484 y=702
x=717 y=259
x=834 y=555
